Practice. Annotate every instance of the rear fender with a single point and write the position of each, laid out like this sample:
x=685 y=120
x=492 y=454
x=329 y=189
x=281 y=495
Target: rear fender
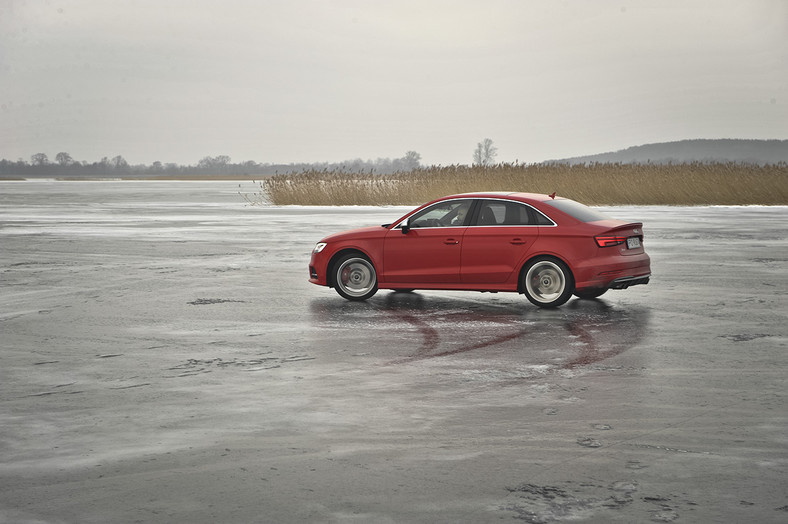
x=542 y=255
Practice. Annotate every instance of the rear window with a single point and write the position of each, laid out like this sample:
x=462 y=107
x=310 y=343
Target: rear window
x=579 y=211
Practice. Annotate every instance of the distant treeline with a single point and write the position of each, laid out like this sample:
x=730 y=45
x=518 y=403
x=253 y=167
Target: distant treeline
x=117 y=167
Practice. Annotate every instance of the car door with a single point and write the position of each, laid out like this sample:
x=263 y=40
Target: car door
x=497 y=242
x=427 y=250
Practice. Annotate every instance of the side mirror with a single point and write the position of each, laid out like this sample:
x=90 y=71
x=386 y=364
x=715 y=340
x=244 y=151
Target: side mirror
x=405 y=226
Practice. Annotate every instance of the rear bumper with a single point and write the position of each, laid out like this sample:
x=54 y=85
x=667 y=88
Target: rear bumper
x=623 y=283
x=615 y=272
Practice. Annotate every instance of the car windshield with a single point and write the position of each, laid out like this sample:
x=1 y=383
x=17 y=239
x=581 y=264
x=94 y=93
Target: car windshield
x=579 y=211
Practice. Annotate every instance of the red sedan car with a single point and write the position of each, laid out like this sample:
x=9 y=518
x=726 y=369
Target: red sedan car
x=543 y=246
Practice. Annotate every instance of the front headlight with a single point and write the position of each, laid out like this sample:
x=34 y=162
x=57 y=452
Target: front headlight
x=319 y=247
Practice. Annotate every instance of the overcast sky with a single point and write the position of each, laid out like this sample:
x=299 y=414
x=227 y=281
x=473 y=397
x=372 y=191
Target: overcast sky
x=284 y=81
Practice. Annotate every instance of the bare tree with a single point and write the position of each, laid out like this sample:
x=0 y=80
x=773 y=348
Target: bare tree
x=411 y=160
x=485 y=153
x=119 y=162
x=39 y=159
x=217 y=162
x=64 y=159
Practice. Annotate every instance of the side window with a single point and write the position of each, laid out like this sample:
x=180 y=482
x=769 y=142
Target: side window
x=542 y=220
x=500 y=213
x=517 y=215
x=492 y=213
x=443 y=214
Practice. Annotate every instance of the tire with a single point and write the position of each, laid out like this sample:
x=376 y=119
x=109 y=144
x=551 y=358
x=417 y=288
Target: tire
x=590 y=293
x=355 y=277
x=547 y=282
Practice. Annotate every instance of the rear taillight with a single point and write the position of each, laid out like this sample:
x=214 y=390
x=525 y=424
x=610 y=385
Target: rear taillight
x=608 y=241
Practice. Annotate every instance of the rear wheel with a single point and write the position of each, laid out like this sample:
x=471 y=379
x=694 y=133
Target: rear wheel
x=547 y=282
x=590 y=293
x=355 y=277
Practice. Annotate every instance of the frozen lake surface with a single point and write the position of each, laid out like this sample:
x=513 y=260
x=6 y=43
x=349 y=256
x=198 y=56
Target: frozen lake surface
x=164 y=359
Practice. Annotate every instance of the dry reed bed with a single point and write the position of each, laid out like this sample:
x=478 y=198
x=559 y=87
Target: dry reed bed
x=594 y=184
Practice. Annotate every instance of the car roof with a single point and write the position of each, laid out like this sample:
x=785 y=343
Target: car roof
x=503 y=194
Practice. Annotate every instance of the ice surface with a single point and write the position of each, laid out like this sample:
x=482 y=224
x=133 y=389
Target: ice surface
x=164 y=359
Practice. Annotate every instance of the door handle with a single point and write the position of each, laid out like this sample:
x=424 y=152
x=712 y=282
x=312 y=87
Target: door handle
x=451 y=241
x=518 y=241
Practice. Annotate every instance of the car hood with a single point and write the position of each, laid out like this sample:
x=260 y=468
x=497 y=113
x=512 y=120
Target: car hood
x=360 y=233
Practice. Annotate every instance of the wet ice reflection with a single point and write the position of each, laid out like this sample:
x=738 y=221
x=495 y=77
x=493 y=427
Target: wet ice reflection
x=401 y=328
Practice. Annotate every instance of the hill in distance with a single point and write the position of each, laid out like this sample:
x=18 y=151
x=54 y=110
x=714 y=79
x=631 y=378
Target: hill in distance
x=758 y=152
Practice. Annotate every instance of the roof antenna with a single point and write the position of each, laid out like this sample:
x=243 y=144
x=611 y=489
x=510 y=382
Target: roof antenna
x=552 y=196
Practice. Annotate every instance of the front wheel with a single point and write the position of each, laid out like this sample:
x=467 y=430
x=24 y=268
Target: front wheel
x=355 y=277
x=547 y=282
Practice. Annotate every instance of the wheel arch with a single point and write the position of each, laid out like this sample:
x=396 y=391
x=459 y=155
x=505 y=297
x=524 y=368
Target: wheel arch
x=531 y=258
x=339 y=254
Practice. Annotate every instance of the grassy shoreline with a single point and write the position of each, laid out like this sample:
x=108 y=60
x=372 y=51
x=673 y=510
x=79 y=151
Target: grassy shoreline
x=596 y=184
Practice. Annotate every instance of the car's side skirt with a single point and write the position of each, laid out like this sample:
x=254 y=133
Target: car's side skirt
x=450 y=287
